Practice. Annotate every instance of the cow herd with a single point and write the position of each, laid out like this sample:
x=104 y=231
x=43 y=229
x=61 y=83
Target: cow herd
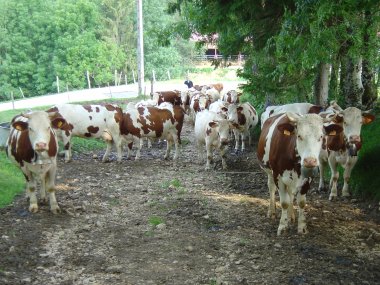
x=296 y=141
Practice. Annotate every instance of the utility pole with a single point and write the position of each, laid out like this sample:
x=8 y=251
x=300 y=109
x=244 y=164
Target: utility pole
x=140 y=46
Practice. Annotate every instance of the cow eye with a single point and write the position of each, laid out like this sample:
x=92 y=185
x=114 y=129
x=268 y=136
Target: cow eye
x=299 y=137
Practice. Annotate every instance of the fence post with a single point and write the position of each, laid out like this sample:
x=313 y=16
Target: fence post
x=134 y=78
x=121 y=73
x=125 y=79
x=168 y=74
x=13 y=101
x=88 y=79
x=115 y=77
x=22 y=93
x=154 y=76
x=57 y=83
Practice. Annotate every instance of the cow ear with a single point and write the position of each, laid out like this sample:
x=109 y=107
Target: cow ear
x=213 y=124
x=20 y=126
x=286 y=129
x=239 y=109
x=368 y=118
x=58 y=123
x=333 y=129
x=224 y=109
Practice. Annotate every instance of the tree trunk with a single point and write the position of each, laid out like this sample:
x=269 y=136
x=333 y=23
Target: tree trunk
x=321 y=84
x=368 y=70
x=352 y=87
x=334 y=87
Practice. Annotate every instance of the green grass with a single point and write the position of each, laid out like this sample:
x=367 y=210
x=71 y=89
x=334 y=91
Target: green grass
x=155 y=221
x=12 y=181
x=365 y=178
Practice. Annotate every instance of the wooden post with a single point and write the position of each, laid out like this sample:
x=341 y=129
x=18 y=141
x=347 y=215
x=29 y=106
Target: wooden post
x=57 y=83
x=154 y=76
x=88 y=79
x=134 y=78
x=115 y=77
x=13 y=101
x=121 y=73
x=22 y=93
x=125 y=79
x=168 y=74
x=151 y=88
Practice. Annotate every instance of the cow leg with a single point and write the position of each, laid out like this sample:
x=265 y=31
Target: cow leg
x=200 y=150
x=223 y=155
x=209 y=155
x=168 y=147
x=50 y=185
x=291 y=206
x=67 y=147
x=322 y=164
x=236 y=134
x=272 y=196
x=138 y=151
x=119 y=149
x=31 y=193
x=176 y=145
x=243 y=136
x=108 y=150
x=351 y=161
x=301 y=201
x=334 y=177
x=285 y=201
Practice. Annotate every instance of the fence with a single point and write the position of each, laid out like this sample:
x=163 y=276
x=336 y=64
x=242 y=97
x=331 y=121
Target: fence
x=209 y=57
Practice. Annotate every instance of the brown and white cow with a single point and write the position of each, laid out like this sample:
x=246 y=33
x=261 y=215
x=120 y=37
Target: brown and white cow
x=220 y=107
x=245 y=118
x=343 y=149
x=198 y=103
x=211 y=130
x=173 y=97
x=152 y=122
x=232 y=96
x=88 y=121
x=299 y=108
x=288 y=149
x=32 y=145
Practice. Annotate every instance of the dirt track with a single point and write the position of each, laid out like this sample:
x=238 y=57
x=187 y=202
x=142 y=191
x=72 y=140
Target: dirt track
x=156 y=222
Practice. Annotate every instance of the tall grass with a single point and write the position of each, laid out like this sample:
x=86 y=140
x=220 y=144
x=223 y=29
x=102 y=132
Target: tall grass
x=12 y=181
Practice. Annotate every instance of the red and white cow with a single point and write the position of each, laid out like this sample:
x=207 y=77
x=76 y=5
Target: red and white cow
x=88 y=121
x=152 y=122
x=245 y=118
x=288 y=149
x=343 y=149
x=32 y=145
x=299 y=108
x=173 y=97
x=198 y=103
x=232 y=96
x=220 y=107
x=211 y=130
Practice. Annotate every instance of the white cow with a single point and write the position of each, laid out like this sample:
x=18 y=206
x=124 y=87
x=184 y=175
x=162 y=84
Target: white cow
x=211 y=130
x=244 y=117
x=220 y=107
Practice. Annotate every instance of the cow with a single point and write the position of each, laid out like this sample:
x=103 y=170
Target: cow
x=288 y=150
x=245 y=118
x=232 y=96
x=220 y=107
x=152 y=122
x=88 y=121
x=213 y=93
x=198 y=103
x=32 y=145
x=173 y=97
x=217 y=86
x=299 y=108
x=343 y=149
x=211 y=130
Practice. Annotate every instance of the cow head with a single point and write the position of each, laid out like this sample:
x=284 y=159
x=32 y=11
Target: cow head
x=222 y=127
x=308 y=131
x=38 y=125
x=353 y=119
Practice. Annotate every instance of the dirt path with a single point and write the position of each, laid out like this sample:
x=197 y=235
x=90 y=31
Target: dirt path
x=153 y=222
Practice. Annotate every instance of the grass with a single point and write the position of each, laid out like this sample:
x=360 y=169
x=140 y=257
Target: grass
x=155 y=221
x=12 y=181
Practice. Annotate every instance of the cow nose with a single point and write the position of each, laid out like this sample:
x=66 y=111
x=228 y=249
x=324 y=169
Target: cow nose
x=310 y=162
x=41 y=146
x=354 y=139
x=224 y=141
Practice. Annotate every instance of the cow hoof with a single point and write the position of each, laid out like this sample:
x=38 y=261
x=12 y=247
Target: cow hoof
x=302 y=231
x=33 y=208
x=55 y=210
x=271 y=215
x=236 y=151
x=67 y=161
x=281 y=230
x=332 y=198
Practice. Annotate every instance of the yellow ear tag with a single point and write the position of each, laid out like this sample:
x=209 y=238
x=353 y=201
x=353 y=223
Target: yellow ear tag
x=332 y=133
x=59 y=124
x=19 y=128
x=286 y=132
